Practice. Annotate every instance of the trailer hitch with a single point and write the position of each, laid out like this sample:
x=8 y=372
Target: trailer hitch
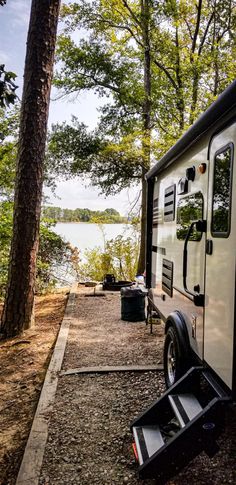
x=198 y=298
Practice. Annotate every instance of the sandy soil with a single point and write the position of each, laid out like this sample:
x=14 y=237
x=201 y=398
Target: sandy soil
x=23 y=363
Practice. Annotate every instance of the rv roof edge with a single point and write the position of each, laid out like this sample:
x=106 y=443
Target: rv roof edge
x=226 y=102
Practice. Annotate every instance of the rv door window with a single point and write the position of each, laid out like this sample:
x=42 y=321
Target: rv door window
x=222 y=184
x=189 y=209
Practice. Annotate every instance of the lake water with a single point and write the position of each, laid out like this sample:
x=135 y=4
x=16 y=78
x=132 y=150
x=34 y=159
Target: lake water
x=88 y=236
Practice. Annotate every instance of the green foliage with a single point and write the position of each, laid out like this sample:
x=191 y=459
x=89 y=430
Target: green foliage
x=8 y=148
x=7 y=87
x=81 y=146
x=53 y=251
x=192 y=48
x=57 y=214
x=119 y=257
x=111 y=166
x=6 y=211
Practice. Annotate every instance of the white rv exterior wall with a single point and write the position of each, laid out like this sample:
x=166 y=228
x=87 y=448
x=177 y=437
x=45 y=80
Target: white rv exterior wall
x=164 y=237
x=214 y=338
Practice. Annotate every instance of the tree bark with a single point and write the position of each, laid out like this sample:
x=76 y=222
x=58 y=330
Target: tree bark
x=145 y=15
x=179 y=91
x=19 y=301
x=195 y=82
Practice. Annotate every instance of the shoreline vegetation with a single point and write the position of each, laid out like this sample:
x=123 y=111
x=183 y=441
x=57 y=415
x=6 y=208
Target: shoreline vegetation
x=58 y=214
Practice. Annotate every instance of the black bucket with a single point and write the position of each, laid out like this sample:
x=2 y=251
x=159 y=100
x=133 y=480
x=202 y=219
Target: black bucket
x=132 y=304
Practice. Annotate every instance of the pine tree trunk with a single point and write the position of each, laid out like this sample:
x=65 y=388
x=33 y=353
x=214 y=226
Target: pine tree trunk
x=19 y=301
x=145 y=11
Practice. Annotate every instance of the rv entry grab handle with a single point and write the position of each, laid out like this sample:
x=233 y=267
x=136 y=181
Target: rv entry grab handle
x=200 y=227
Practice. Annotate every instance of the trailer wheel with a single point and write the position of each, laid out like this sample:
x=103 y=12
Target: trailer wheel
x=173 y=358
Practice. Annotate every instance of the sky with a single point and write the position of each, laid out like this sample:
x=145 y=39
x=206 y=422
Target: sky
x=14 y=20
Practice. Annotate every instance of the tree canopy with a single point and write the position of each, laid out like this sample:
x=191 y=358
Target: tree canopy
x=158 y=63
x=192 y=49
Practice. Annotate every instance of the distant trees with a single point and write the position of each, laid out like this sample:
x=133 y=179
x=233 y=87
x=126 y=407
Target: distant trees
x=19 y=301
x=58 y=214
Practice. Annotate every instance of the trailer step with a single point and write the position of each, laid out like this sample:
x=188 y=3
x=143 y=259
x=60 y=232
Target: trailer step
x=185 y=406
x=148 y=440
x=186 y=420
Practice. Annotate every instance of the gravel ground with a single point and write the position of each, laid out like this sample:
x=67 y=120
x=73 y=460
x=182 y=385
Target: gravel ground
x=100 y=337
x=89 y=439
x=93 y=414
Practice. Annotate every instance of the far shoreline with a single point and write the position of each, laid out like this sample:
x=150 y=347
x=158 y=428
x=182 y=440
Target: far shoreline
x=88 y=222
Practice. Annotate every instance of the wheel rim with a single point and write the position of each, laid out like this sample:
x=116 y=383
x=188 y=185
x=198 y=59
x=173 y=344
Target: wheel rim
x=171 y=362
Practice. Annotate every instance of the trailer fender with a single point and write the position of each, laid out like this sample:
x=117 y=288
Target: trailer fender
x=177 y=352
x=177 y=320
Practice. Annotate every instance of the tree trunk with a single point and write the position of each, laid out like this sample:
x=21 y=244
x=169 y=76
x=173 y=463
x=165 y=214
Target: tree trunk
x=179 y=93
x=194 y=101
x=145 y=15
x=19 y=301
x=194 y=64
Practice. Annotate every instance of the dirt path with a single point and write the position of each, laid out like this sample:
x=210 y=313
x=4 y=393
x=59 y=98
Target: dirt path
x=89 y=439
x=23 y=363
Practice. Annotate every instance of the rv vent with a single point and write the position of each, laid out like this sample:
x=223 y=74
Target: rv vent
x=156 y=213
x=169 y=204
x=167 y=277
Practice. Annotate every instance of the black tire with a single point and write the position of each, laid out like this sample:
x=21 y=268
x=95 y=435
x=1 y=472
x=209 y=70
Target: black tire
x=176 y=360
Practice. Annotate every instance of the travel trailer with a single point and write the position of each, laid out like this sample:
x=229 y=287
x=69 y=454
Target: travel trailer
x=190 y=276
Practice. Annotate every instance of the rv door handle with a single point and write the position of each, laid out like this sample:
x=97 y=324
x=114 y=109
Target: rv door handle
x=201 y=227
x=209 y=246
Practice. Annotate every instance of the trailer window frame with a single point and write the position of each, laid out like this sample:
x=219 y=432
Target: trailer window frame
x=215 y=233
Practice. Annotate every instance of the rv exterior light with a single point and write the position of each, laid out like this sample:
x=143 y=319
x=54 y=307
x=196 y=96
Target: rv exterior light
x=202 y=168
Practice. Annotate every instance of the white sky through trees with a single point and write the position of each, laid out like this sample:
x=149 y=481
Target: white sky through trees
x=14 y=20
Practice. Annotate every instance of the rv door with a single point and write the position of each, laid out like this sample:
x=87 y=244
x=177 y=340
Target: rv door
x=220 y=257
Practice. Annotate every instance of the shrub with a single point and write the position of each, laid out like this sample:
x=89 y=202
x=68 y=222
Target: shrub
x=119 y=257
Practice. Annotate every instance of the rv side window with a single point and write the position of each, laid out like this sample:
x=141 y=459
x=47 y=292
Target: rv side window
x=189 y=209
x=222 y=184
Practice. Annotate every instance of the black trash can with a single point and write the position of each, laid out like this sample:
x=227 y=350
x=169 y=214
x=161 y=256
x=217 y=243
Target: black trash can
x=132 y=304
